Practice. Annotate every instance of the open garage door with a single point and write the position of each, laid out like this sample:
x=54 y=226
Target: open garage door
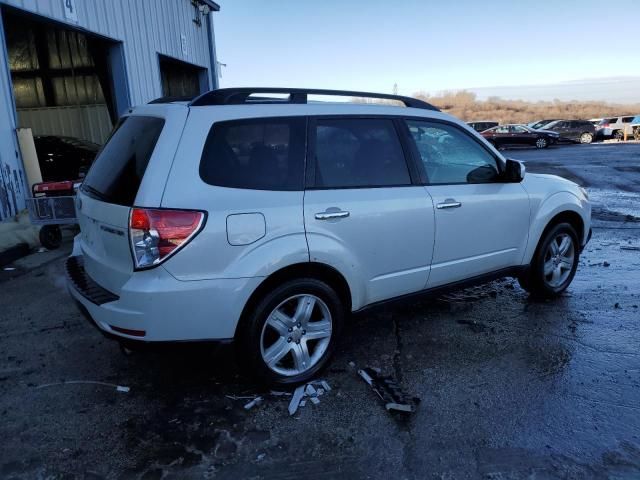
x=64 y=92
x=181 y=79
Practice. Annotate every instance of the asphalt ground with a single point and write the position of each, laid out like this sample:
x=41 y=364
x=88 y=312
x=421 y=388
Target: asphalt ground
x=509 y=387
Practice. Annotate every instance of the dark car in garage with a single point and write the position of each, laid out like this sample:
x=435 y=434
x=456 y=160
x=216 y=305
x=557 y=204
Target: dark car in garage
x=64 y=158
x=579 y=131
x=519 y=135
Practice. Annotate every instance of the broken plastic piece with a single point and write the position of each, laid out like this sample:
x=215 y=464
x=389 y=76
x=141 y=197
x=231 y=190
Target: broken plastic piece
x=122 y=389
x=253 y=403
x=302 y=403
x=295 y=400
x=314 y=400
x=310 y=390
x=325 y=385
x=389 y=391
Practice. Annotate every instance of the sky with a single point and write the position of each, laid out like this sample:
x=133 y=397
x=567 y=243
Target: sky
x=434 y=46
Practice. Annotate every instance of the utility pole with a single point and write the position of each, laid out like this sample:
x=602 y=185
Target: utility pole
x=395 y=89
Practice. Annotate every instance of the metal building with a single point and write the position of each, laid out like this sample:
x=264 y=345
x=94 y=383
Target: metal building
x=70 y=68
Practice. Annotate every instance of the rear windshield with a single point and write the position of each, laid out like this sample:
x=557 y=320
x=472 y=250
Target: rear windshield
x=117 y=172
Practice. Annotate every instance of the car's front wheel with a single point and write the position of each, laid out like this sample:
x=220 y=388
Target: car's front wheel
x=542 y=143
x=554 y=264
x=586 y=137
x=291 y=334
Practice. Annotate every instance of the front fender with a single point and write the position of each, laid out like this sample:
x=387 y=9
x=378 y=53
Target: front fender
x=550 y=207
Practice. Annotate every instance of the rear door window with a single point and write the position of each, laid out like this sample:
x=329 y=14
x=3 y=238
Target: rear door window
x=359 y=152
x=117 y=172
x=256 y=154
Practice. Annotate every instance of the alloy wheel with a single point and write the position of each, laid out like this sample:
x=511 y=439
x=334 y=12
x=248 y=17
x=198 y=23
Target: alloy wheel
x=296 y=335
x=559 y=259
x=586 y=138
x=541 y=143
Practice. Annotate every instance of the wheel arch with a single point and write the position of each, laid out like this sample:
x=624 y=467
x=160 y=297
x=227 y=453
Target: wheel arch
x=316 y=270
x=559 y=208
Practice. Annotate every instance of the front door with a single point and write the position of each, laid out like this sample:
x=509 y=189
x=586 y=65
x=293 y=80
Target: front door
x=481 y=222
x=363 y=214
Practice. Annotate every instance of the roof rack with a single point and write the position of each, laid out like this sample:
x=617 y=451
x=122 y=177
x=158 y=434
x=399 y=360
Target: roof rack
x=171 y=99
x=241 y=96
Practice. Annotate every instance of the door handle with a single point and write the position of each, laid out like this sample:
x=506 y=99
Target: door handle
x=449 y=204
x=330 y=215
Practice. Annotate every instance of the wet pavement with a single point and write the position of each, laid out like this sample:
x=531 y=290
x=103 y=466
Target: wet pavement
x=510 y=387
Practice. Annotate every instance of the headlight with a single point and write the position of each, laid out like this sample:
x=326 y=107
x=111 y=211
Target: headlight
x=584 y=192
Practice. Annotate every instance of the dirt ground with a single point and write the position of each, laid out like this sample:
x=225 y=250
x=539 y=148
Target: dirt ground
x=510 y=387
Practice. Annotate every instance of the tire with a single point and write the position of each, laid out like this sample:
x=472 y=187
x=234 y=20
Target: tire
x=280 y=351
x=548 y=276
x=618 y=135
x=542 y=142
x=50 y=237
x=586 y=137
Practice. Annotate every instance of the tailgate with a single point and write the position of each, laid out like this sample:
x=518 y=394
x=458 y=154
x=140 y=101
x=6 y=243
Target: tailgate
x=131 y=170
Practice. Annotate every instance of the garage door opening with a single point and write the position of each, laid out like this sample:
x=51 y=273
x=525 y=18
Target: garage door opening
x=64 y=92
x=181 y=79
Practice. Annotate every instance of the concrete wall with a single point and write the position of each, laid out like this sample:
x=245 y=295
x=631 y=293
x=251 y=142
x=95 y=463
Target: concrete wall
x=146 y=28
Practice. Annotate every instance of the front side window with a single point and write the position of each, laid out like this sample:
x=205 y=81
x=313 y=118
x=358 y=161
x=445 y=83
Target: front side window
x=518 y=129
x=503 y=129
x=257 y=154
x=450 y=156
x=359 y=152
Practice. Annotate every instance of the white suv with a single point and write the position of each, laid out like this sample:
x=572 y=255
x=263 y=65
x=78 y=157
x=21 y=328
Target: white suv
x=267 y=219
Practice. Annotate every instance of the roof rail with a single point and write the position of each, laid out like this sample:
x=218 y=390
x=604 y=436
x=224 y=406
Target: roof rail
x=171 y=99
x=240 y=96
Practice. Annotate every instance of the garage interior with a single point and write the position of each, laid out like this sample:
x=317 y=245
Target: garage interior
x=63 y=87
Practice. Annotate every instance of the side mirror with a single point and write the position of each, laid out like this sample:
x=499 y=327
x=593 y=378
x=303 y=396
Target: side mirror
x=514 y=171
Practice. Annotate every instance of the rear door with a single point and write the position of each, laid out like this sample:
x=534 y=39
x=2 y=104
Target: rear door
x=130 y=170
x=481 y=223
x=363 y=213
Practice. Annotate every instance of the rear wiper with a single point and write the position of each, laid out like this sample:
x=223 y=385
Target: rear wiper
x=93 y=192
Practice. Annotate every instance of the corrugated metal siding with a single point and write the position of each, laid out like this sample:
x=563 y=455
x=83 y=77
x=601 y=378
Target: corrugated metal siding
x=146 y=28
x=87 y=122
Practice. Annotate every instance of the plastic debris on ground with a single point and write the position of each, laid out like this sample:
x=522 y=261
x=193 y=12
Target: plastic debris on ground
x=312 y=391
x=253 y=403
x=393 y=398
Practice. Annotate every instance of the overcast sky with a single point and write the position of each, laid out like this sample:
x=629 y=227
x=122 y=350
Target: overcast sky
x=428 y=45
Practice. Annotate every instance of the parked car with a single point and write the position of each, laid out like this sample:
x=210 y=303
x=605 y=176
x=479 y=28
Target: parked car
x=64 y=158
x=519 y=135
x=540 y=124
x=635 y=125
x=595 y=121
x=614 y=127
x=194 y=227
x=481 y=126
x=581 y=131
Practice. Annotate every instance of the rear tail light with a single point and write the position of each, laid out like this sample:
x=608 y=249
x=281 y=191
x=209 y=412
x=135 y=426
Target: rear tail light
x=156 y=234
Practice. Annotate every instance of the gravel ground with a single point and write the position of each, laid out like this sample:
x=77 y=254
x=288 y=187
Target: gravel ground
x=510 y=387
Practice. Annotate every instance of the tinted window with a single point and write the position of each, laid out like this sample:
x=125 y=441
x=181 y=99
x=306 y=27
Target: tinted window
x=627 y=119
x=117 y=172
x=451 y=156
x=359 y=153
x=258 y=154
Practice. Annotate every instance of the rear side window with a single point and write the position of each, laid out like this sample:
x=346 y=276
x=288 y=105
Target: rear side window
x=117 y=172
x=359 y=152
x=627 y=119
x=257 y=154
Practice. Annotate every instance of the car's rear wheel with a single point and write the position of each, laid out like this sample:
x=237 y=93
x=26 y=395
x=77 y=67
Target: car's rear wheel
x=586 y=137
x=554 y=264
x=542 y=142
x=291 y=334
x=618 y=135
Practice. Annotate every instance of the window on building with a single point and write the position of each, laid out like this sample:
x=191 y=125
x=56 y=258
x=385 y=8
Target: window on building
x=179 y=79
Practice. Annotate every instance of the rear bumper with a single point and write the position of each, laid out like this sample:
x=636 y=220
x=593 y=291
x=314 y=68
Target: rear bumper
x=153 y=306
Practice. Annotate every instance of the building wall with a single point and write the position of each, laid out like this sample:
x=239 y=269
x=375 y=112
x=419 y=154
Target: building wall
x=146 y=28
